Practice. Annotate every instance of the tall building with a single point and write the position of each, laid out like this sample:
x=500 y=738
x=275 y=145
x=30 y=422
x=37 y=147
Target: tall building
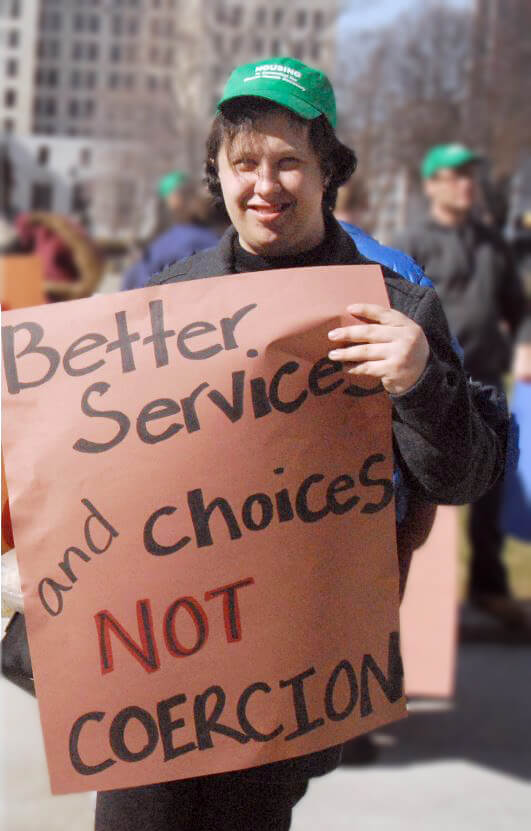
x=18 y=32
x=100 y=97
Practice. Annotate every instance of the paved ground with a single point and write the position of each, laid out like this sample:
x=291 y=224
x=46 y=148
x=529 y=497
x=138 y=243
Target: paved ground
x=465 y=767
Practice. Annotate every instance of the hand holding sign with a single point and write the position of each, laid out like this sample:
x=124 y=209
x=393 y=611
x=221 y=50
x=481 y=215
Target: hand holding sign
x=393 y=348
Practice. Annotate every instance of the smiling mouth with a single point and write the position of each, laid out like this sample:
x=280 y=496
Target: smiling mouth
x=269 y=211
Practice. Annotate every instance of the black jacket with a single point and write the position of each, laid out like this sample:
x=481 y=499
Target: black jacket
x=449 y=451
x=473 y=272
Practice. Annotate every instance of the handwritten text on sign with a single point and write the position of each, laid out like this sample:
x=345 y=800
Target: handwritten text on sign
x=202 y=505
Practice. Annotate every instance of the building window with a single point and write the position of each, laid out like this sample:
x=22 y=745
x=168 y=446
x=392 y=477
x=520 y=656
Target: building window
x=47 y=77
x=130 y=52
x=237 y=15
x=10 y=98
x=78 y=199
x=41 y=196
x=43 y=155
x=85 y=156
x=316 y=51
x=169 y=56
x=89 y=108
x=125 y=201
x=15 y=8
x=116 y=53
x=13 y=38
x=77 y=51
x=46 y=129
x=278 y=15
x=55 y=20
x=318 y=20
x=73 y=108
x=117 y=24
x=90 y=80
x=9 y=125
x=261 y=15
x=132 y=27
x=258 y=45
x=11 y=67
x=94 y=23
x=301 y=17
x=297 y=51
x=93 y=51
x=275 y=47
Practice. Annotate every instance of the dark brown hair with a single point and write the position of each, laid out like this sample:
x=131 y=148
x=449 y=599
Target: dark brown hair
x=337 y=161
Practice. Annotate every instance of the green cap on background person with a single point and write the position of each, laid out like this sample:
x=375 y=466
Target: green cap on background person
x=446 y=155
x=171 y=182
x=286 y=81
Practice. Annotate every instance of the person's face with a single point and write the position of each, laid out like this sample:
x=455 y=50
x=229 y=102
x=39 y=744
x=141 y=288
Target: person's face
x=273 y=187
x=453 y=189
x=176 y=202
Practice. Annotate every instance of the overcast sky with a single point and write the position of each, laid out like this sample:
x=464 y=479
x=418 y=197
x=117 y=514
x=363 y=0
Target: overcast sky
x=366 y=14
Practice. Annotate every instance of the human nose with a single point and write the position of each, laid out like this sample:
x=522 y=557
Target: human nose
x=267 y=181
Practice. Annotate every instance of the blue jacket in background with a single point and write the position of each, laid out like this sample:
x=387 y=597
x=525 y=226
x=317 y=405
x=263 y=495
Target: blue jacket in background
x=399 y=262
x=179 y=242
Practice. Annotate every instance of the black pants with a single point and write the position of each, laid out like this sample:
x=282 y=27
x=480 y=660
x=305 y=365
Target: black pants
x=487 y=571
x=224 y=802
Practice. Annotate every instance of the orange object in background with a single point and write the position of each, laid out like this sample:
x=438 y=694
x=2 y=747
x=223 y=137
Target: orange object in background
x=21 y=284
x=205 y=526
x=21 y=281
x=428 y=614
x=7 y=529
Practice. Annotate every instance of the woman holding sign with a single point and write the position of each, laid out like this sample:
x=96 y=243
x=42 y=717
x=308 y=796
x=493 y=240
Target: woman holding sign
x=275 y=161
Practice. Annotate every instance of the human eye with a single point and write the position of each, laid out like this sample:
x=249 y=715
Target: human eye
x=244 y=164
x=289 y=163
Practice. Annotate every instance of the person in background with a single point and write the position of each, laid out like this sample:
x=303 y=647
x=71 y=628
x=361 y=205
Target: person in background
x=194 y=226
x=473 y=273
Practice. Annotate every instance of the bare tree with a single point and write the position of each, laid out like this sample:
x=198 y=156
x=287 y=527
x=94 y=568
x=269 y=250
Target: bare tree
x=411 y=89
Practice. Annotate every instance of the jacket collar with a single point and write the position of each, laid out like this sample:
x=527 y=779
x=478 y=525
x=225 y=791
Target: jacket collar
x=342 y=249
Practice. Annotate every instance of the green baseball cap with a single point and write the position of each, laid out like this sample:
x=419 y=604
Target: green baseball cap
x=446 y=155
x=170 y=182
x=288 y=82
